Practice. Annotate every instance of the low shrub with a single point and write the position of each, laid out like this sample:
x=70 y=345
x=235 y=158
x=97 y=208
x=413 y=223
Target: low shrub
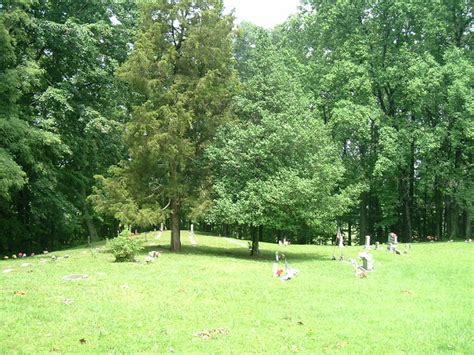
x=125 y=247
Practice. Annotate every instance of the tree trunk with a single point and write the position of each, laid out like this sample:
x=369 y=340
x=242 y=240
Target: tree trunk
x=453 y=218
x=255 y=232
x=349 y=232
x=363 y=218
x=408 y=236
x=468 y=223
x=93 y=235
x=439 y=212
x=175 y=242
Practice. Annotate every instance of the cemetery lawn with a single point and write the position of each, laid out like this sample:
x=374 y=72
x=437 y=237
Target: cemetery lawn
x=213 y=298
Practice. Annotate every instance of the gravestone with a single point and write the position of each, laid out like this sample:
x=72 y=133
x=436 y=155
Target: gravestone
x=392 y=242
x=367 y=242
x=367 y=261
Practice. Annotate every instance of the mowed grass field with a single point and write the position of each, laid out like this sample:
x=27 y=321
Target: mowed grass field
x=214 y=298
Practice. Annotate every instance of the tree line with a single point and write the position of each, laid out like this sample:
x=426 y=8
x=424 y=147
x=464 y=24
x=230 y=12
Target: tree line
x=354 y=114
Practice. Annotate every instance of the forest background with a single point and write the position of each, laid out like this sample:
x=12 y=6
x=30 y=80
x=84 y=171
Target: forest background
x=356 y=114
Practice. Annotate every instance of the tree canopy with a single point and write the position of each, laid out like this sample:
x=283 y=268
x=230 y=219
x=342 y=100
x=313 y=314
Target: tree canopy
x=357 y=114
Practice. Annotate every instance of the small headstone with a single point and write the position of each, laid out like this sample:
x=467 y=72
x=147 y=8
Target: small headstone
x=367 y=242
x=25 y=264
x=14 y=256
x=75 y=277
x=340 y=238
x=367 y=261
x=392 y=242
x=377 y=245
x=149 y=259
x=6 y=271
x=154 y=254
x=5 y=257
x=45 y=252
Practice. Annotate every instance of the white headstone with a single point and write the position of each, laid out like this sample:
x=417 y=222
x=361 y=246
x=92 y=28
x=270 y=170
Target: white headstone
x=367 y=261
x=340 y=238
x=367 y=242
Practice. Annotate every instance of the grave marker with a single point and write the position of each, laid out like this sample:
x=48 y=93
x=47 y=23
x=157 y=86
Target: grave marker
x=392 y=242
x=367 y=242
x=367 y=261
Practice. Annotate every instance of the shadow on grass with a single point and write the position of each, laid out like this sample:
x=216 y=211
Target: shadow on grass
x=238 y=253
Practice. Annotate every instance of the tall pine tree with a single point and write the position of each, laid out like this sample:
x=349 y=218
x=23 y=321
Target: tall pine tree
x=182 y=66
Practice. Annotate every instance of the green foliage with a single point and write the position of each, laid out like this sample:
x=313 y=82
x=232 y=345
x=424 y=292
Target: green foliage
x=181 y=68
x=276 y=167
x=61 y=116
x=125 y=247
x=383 y=78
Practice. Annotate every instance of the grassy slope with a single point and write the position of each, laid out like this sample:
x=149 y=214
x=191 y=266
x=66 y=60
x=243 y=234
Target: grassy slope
x=420 y=302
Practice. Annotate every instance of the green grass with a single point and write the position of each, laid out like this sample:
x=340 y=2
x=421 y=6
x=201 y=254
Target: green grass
x=416 y=303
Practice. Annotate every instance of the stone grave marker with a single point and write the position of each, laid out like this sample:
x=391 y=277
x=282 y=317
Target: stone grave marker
x=367 y=261
x=367 y=242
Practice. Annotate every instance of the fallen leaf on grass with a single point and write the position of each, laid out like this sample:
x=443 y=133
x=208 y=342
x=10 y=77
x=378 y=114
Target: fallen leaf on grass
x=20 y=293
x=82 y=341
x=299 y=322
x=211 y=333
